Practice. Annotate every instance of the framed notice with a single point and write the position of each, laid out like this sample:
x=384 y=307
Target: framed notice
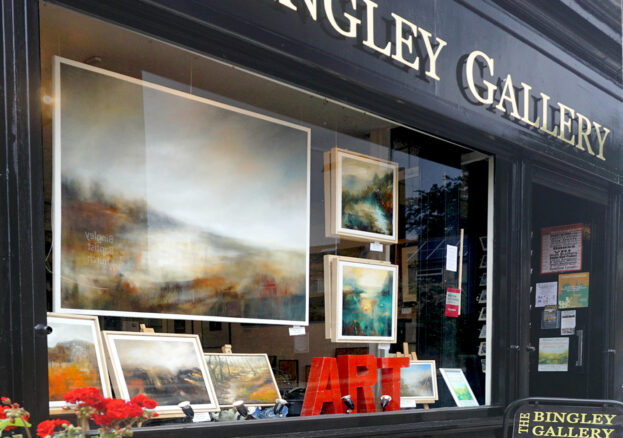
x=561 y=249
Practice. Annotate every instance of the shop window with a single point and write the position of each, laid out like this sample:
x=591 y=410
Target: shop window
x=220 y=207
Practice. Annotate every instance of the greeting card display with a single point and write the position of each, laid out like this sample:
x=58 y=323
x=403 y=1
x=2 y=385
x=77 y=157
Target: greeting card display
x=361 y=197
x=360 y=300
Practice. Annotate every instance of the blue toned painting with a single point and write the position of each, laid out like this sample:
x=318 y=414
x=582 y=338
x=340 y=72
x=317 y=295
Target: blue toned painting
x=367 y=196
x=367 y=301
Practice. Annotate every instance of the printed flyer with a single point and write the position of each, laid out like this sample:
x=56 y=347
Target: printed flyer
x=573 y=290
x=561 y=249
x=553 y=354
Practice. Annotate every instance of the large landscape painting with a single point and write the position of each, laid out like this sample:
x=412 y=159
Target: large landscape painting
x=75 y=357
x=175 y=206
x=245 y=377
x=167 y=368
x=367 y=301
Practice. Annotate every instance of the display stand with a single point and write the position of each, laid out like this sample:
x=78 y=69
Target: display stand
x=144 y=329
x=413 y=356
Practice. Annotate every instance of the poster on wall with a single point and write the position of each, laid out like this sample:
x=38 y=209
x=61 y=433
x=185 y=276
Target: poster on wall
x=361 y=196
x=573 y=290
x=553 y=354
x=561 y=249
x=546 y=294
x=75 y=358
x=171 y=205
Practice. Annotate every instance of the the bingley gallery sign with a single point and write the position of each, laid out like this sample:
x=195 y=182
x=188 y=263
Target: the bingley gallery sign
x=567 y=422
x=395 y=38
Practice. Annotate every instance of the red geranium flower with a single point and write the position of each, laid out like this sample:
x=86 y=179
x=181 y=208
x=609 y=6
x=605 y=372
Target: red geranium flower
x=143 y=401
x=85 y=396
x=46 y=428
x=5 y=400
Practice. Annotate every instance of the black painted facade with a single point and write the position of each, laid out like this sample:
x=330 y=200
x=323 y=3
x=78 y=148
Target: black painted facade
x=574 y=61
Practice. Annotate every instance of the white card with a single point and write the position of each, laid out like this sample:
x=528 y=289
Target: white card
x=451 y=257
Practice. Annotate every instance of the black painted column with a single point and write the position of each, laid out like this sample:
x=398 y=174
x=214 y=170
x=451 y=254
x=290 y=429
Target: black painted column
x=23 y=353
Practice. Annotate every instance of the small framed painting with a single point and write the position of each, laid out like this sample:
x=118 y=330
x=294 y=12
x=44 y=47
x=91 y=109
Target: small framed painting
x=482 y=298
x=365 y=301
x=168 y=368
x=362 y=195
x=246 y=377
x=483 y=314
x=418 y=382
x=409 y=268
x=459 y=387
x=75 y=358
x=483 y=332
x=482 y=348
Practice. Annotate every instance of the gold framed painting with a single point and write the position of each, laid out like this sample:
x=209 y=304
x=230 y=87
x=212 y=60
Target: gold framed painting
x=247 y=377
x=168 y=368
x=361 y=197
x=75 y=358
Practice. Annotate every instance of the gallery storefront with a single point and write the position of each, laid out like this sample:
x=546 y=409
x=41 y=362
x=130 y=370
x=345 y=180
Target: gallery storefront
x=306 y=179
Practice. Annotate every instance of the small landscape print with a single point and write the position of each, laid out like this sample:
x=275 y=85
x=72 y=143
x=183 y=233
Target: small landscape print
x=368 y=302
x=181 y=227
x=573 y=290
x=458 y=386
x=72 y=357
x=165 y=370
x=245 y=377
x=367 y=195
x=419 y=381
x=553 y=354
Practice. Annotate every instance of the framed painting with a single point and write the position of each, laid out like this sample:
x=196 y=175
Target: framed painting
x=459 y=387
x=168 y=368
x=365 y=301
x=409 y=273
x=291 y=368
x=75 y=358
x=361 y=196
x=129 y=245
x=246 y=377
x=418 y=382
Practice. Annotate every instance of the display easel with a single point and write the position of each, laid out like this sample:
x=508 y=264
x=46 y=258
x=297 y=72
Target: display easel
x=413 y=356
x=144 y=329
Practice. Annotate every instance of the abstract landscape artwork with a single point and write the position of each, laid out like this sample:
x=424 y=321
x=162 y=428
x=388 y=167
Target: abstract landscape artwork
x=418 y=381
x=246 y=377
x=366 y=301
x=364 y=197
x=171 y=205
x=459 y=387
x=167 y=368
x=75 y=357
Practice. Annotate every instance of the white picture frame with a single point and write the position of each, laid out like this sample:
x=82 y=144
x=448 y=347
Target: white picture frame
x=425 y=374
x=354 y=267
x=158 y=352
x=458 y=385
x=83 y=280
x=69 y=330
x=334 y=200
x=262 y=366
